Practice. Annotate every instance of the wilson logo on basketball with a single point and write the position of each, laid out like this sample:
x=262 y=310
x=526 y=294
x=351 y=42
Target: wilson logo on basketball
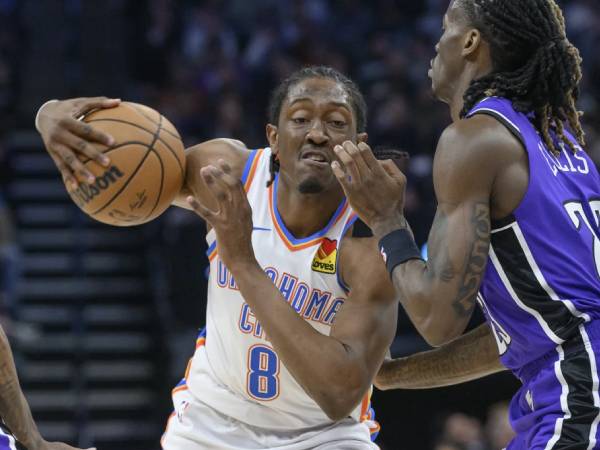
x=325 y=258
x=85 y=193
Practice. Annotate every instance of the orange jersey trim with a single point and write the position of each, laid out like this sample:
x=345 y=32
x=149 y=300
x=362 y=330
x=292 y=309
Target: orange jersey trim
x=252 y=170
x=279 y=227
x=364 y=407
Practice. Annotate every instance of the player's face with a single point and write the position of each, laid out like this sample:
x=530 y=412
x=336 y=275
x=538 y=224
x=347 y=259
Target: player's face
x=315 y=117
x=449 y=63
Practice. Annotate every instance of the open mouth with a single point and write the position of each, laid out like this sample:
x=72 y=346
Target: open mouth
x=316 y=157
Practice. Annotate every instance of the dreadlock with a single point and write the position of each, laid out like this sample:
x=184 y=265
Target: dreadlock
x=280 y=93
x=534 y=64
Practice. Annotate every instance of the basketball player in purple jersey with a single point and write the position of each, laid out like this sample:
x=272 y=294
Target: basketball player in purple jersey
x=517 y=224
x=14 y=411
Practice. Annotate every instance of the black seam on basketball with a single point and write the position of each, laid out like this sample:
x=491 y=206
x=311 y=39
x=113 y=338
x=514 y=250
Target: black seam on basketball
x=148 y=151
x=162 y=181
x=116 y=147
x=135 y=125
x=143 y=114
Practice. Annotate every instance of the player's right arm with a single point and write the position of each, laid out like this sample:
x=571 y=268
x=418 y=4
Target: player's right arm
x=14 y=411
x=473 y=355
x=67 y=138
x=440 y=294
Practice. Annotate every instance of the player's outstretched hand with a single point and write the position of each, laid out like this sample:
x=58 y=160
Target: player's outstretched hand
x=232 y=221
x=66 y=138
x=375 y=189
x=44 y=445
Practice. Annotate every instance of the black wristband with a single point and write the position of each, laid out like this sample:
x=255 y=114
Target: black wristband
x=398 y=247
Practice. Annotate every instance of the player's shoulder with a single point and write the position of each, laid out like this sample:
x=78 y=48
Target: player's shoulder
x=480 y=136
x=472 y=152
x=234 y=152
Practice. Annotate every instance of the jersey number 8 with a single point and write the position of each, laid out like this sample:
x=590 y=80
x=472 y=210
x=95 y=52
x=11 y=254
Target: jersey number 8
x=263 y=373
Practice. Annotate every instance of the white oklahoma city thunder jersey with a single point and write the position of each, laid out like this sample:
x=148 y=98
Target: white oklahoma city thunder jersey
x=235 y=369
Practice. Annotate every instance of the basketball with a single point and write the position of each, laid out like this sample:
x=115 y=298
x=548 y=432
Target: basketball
x=146 y=171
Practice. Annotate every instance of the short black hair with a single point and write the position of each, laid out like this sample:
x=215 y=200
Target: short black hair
x=534 y=64
x=357 y=101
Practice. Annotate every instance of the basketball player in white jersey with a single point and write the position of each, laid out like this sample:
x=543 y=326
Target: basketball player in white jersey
x=300 y=314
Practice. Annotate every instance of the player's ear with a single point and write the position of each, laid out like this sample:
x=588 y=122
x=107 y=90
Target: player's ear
x=472 y=42
x=362 y=137
x=272 y=134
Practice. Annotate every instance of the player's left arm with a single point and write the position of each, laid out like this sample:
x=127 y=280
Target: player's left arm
x=471 y=356
x=366 y=324
x=335 y=370
x=439 y=294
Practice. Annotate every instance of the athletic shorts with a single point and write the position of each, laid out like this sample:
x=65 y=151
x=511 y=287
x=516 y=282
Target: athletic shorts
x=196 y=426
x=8 y=441
x=558 y=406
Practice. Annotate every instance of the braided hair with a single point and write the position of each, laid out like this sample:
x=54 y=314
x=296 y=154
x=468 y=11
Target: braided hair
x=534 y=64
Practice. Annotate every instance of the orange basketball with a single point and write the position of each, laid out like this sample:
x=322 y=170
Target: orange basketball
x=147 y=167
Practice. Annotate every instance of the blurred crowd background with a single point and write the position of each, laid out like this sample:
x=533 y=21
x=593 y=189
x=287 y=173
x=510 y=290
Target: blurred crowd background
x=209 y=66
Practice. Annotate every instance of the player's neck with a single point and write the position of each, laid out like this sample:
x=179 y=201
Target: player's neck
x=457 y=102
x=306 y=214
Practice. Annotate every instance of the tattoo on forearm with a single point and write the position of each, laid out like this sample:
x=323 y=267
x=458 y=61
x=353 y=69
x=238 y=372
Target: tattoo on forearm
x=471 y=356
x=441 y=267
x=477 y=257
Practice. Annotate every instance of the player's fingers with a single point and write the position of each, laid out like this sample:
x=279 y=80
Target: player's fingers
x=67 y=176
x=390 y=168
x=342 y=177
x=348 y=163
x=87 y=132
x=224 y=166
x=200 y=209
x=85 y=148
x=86 y=105
x=353 y=150
x=67 y=156
x=368 y=157
x=229 y=184
x=216 y=186
x=227 y=175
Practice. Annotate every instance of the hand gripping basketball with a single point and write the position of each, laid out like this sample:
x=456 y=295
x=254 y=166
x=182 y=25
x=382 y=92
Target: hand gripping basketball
x=67 y=138
x=123 y=163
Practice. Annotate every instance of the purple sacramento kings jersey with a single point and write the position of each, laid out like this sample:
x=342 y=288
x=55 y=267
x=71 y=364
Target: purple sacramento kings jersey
x=542 y=280
x=7 y=440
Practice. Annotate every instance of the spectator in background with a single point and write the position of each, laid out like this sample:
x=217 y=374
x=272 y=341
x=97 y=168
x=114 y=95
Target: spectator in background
x=448 y=446
x=462 y=432
x=497 y=427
